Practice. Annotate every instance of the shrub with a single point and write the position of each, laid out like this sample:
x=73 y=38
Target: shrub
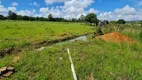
x=140 y=35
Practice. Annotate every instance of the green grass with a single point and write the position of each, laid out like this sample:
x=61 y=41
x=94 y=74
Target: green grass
x=20 y=33
x=104 y=60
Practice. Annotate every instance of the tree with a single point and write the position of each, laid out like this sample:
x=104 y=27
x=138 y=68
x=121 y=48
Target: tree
x=91 y=18
x=12 y=15
x=26 y=18
x=2 y=17
x=32 y=18
x=82 y=18
x=140 y=23
x=50 y=17
x=19 y=17
x=58 y=19
x=37 y=19
x=73 y=20
x=121 y=21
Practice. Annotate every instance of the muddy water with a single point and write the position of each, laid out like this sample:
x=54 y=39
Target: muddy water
x=81 y=38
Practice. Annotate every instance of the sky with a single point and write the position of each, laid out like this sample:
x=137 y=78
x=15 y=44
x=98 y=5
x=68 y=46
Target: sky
x=129 y=10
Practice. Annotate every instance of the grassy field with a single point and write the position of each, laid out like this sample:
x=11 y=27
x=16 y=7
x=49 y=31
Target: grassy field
x=93 y=58
x=20 y=33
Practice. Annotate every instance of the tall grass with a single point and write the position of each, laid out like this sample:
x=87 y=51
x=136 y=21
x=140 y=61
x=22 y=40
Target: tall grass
x=15 y=33
x=104 y=60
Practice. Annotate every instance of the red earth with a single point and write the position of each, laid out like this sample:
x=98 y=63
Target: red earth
x=116 y=37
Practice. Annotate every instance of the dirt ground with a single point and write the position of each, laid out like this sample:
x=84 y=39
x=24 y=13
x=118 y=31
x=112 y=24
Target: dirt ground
x=116 y=37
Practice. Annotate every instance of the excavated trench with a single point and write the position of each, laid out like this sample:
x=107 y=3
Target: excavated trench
x=43 y=44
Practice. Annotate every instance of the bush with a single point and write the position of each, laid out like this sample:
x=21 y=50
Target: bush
x=121 y=21
x=99 y=31
x=140 y=35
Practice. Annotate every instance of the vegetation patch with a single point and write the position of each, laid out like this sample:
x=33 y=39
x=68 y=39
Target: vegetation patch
x=22 y=33
x=93 y=59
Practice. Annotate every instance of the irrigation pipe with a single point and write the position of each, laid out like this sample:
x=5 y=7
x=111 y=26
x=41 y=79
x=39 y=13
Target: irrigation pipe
x=72 y=66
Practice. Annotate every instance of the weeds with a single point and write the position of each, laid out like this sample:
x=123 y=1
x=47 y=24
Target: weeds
x=140 y=35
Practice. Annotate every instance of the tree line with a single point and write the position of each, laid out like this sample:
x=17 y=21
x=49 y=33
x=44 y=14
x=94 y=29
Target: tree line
x=13 y=16
x=90 y=18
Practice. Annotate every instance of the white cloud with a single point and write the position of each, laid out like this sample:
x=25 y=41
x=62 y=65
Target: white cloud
x=26 y=12
x=13 y=9
x=127 y=10
x=74 y=8
x=54 y=11
x=44 y=10
x=78 y=3
x=34 y=3
x=54 y=1
x=14 y=4
x=91 y=10
x=70 y=9
x=128 y=13
x=2 y=9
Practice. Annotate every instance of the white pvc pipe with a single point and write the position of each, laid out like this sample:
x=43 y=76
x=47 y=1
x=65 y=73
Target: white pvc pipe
x=72 y=66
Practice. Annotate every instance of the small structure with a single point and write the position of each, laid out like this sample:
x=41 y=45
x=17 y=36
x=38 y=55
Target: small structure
x=103 y=23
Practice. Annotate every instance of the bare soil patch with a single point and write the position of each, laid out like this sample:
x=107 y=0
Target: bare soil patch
x=116 y=37
x=10 y=50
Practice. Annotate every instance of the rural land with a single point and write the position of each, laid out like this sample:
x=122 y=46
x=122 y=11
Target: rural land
x=78 y=48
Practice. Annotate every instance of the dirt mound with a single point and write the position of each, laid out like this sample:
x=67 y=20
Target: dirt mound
x=116 y=37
